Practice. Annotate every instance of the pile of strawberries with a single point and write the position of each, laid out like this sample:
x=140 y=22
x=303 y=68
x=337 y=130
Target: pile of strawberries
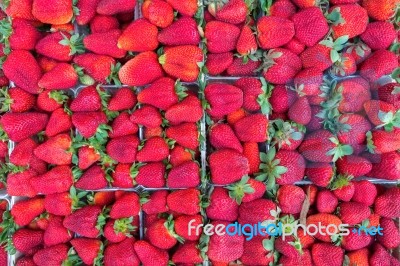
x=127 y=126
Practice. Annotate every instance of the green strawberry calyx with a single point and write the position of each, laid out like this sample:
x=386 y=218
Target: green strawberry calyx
x=238 y=190
x=269 y=59
x=5 y=100
x=271 y=170
x=6 y=31
x=113 y=77
x=336 y=46
x=340 y=181
x=263 y=98
x=389 y=120
x=281 y=132
x=124 y=226
x=180 y=90
x=102 y=219
x=77 y=197
x=9 y=228
x=75 y=43
x=170 y=226
x=335 y=17
x=340 y=150
x=370 y=143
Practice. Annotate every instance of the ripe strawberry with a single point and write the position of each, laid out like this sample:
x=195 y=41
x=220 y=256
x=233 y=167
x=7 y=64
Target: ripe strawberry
x=381 y=256
x=122 y=99
x=326 y=253
x=235 y=116
x=295 y=45
x=126 y=206
x=16 y=100
x=87 y=11
x=353 y=165
x=289 y=247
x=162 y=93
x=121 y=176
x=24 y=211
x=147 y=116
x=241 y=68
x=182 y=62
x=317 y=56
x=123 y=126
x=290 y=199
x=87 y=249
x=256 y=210
x=387 y=205
x=60 y=12
x=282 y=8
x=154 y=149
x=252 y=128
x=350 y=20
x=55 y=150
x=157 y=202
x=256 y=251
x=364 y=192
x=281 y=66
x=224 y=161
x=104 y=23
x=83 y=221
x=356 y=241
x=344 y=66
x=58 y=203
x=134 y=74
x=122 y=252
x=87 y=156
x=161 y=234
x=252 y=153
x=118 y=230
x=355 y=92
x=315 y=122
x=308 y=81
x=374 y=108
x=359 y=257
x=139 y=36
x=218 y=63
x=381 y=62
x=190 y=170
x=304 y=3
x=104 y=43
x=247 y=44
x=158 y=12
x=282 y=98
x=273 y=32
x=87 y=123
x=379 y=35
x=151 y=175
x=188 y=110
x=353 y=213
x=320 y=174
x=22 y=68
x=223 y=99
x=354 y=129
x=50 y=101
x=380 y=11
x=221 y=37
x=324 y=219
x=326 y=201
x=26 y=239
x=300 y=111
x=179 y=155
x=188 y=252
x=56 y=180
x=380 y=141
x=183 y=31
x=222 y=206
x=233 y=12
x=103 y=198
x=149 y=254
x=56 y=233
x=18 y=183
x=60 y=46
x=92 y=179
x=222 y=136
x=23 y=152
x=21 y=34
x=187 y=8
x=54 y=255
x=389 y=93
x=59 y=122
x=20 y=126
x=20 y=9
x=390 y=237
x=123 y=149
x=109 y=7
x=98 y=67
x=185 y=134
x=184 y=201
x=61 y=77
x=342 y=187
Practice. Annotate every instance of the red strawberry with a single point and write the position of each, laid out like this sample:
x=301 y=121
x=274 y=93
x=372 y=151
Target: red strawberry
x=98 y=67
x=386 y=205
x=355 y=92
x=326 y=201
x=122 y=252
x=256 y=251
x=153 y=150
x=184 y=201
x=60 y=12
x=300 y=111
x=188 y=252
x=88 y=100
x=126 y=206
x=25 y=211
x=187 y=8
x=149 y=254
x=59 y=121
x=183 y=31
x=60 y=46
x=252 y=153
x=123 y=126
x=323 y=219
x=104 y=23
x=87 y=156
x=20 y=9
x=139 y=36
x=87 y=11
x=83 y=221
x=252 y=128
x=160 y=235
x=185 y=134
x=281 y=66
x=157 y=202
x=151 y=175
x=218 y=63
x=49 y=101
x=92 y=179
x=390 y=237
x=87 y=249
x=222 y=136
x=134 y=74
x=381 y=256
x=223 y=99
x=62 y=76
x=320 y=174
x=350 y=20
x=22 y=68
x=147 y=116
x=21 y=33
x=23 y=152
x=353 y=213
x=255 y=94
x=26 y=239
x=381 y=62
x=381 y=11
x=104 y=43
x=233 y=12
x=55 y=150
x=20 y=126
x=354 y=129
x=256 y=210
x=58 y=203
x=317 y=56
x=353 y=165
x=327 y=254
x=56 y=180
x=290 y=199
x=274 y=32
x=222 y=206
x=189 y=170
x=118 y=230
x=18 y=183
x=282 y=98
x=308 y=81
x=188 y=110
x=158 y=12
x=295 y=45
x=54 y=255
x=123 y=98
x=109 y=7
x=123 y=149
x=179 y=155
x=163 y=93
x=221 y=37
x=16 y=100
x=389 y=93
x=380 y=141
x=379 y=35
x=56 y=233
x=87 y=123
x=224 y=161
x=282 y=8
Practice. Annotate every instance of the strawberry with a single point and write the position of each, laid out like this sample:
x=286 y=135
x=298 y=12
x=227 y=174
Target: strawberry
x=317 y=56
x=225 y=160
x=380 y=141
x=290 y=199
x=123 y=126
x=121 y=176
x=218 y=63
x=154 y=149
x=189 y=170
x=252 y=128
x=59 y=121
x=20 y=9
x=255 y=94
x=320 y=174
x=87 y=156
x=122 y=252
x=98 y=67
x=355 y=241
x=282 y=8
x=222 y=136
x=353 y=130
x=179 y=155
x=60 y=12
x=161 y=234
x=225 y=248
x=104 y=23
x=22 y=68
x=118 y=230
x=221 y=37
x=139 y=36
x=343 y=187
x=92 y=179
x=381 y=256
x=157 y=202
x=147 y=116
x=18 y=183
x=55 y=150
x=326 y=201
x=280 y=65
x=324 y=219
x=58 y=203
x=353 y=213
x=287 y=135
x=390 y=237
x=222 y=206
x=300 y=111
x=235 y=116
x=284 y=167
x=187 y=8
x=87 y=249
x=354 y=92
x=344 y=66
x=149 y=254
x=247 y=44
x=126 y=206
x=289 y=247
x=123 y=149
x=304 y=259
x=359 y=257
x=188 y=252
x=87 y=11
x=21 y=34
x=16 y=100
x=273 y=32
x=257 y=251
x=158 y=12
x=185 y=134
x=308 y=81
x=304 y=3
x=241 y=68
x=103 y=198
x=122 y=99
x=381 y=62
x=104 y=43
x=256 y=210
x=26 y=239
x=295 y=46
x=56 y=233
x=54 y=255
x=327 y=254
x=321 y=146
x=188 y=110
x=310 y=25
x=108 y=7
x=350 y=20
x=252 y=153
x=181 y=224
x=223 y=99
x=353 y=165
x=133 y=73
x=60 y=46
x=233 y=12
x=20 y=126
x=83 y=221
x=364 y=192
x=173 y=58
x=22 y=153
x=24 y=211
x=379 y=35
x=61 y=77
x=181 y=32
x=380 y=11
x=389 y=93
x=359 y=50
x=376 y=111
x=387 y=205
x=184 y=201
x=87 y=123
x=56 y=180
x=282 y=98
